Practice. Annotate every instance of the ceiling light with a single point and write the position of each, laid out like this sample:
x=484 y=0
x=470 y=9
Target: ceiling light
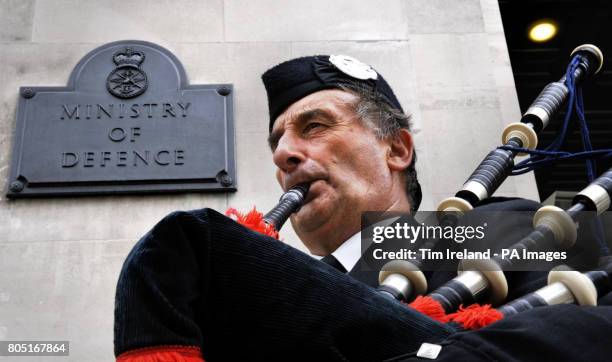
x=542 y=31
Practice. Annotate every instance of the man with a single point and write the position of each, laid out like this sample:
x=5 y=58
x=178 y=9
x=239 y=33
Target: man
x=199 y=285
x=349 y=139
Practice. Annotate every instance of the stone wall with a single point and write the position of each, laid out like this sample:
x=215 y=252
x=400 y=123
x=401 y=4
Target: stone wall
x=59 y=257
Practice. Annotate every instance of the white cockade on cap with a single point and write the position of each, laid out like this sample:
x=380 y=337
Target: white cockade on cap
x=353 y=67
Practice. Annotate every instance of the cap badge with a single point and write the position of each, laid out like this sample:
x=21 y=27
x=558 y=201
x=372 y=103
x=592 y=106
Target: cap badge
x=353 y=67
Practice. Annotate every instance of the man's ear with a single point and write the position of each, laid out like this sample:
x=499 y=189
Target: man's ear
x=401 y=150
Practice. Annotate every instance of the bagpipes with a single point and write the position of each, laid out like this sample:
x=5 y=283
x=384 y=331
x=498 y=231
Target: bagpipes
x=553 y=227
x=484 y=279
x=404 y=280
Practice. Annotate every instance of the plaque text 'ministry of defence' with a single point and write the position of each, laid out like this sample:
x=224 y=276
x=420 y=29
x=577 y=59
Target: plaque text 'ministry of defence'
x=127 y=122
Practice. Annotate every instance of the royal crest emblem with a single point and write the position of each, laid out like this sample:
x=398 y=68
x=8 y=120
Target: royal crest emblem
x=127 y=80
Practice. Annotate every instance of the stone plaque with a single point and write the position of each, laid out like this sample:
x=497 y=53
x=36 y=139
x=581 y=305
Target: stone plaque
x=128 y=122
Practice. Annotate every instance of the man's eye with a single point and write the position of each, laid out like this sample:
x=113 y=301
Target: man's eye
x=311 y=126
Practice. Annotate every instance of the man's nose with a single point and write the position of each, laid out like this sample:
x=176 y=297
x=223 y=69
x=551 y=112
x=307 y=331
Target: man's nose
x=289 y=153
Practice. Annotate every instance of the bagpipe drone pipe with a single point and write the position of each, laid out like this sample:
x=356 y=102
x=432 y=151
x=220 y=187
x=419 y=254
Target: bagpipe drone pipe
x=484 y=280
x=565 y=286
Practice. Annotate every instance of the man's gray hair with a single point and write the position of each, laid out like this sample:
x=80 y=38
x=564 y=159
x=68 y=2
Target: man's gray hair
x=386 y=121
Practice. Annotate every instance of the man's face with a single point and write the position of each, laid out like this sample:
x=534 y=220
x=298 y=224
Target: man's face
x=320 y=140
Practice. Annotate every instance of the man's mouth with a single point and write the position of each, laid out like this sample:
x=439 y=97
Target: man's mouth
x=312 y=192
x=314 y=180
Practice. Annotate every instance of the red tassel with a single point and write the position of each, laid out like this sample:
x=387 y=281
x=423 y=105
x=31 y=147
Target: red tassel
x=162 y=354
x=253 y=220
x=475 y=316
x=429 y=306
